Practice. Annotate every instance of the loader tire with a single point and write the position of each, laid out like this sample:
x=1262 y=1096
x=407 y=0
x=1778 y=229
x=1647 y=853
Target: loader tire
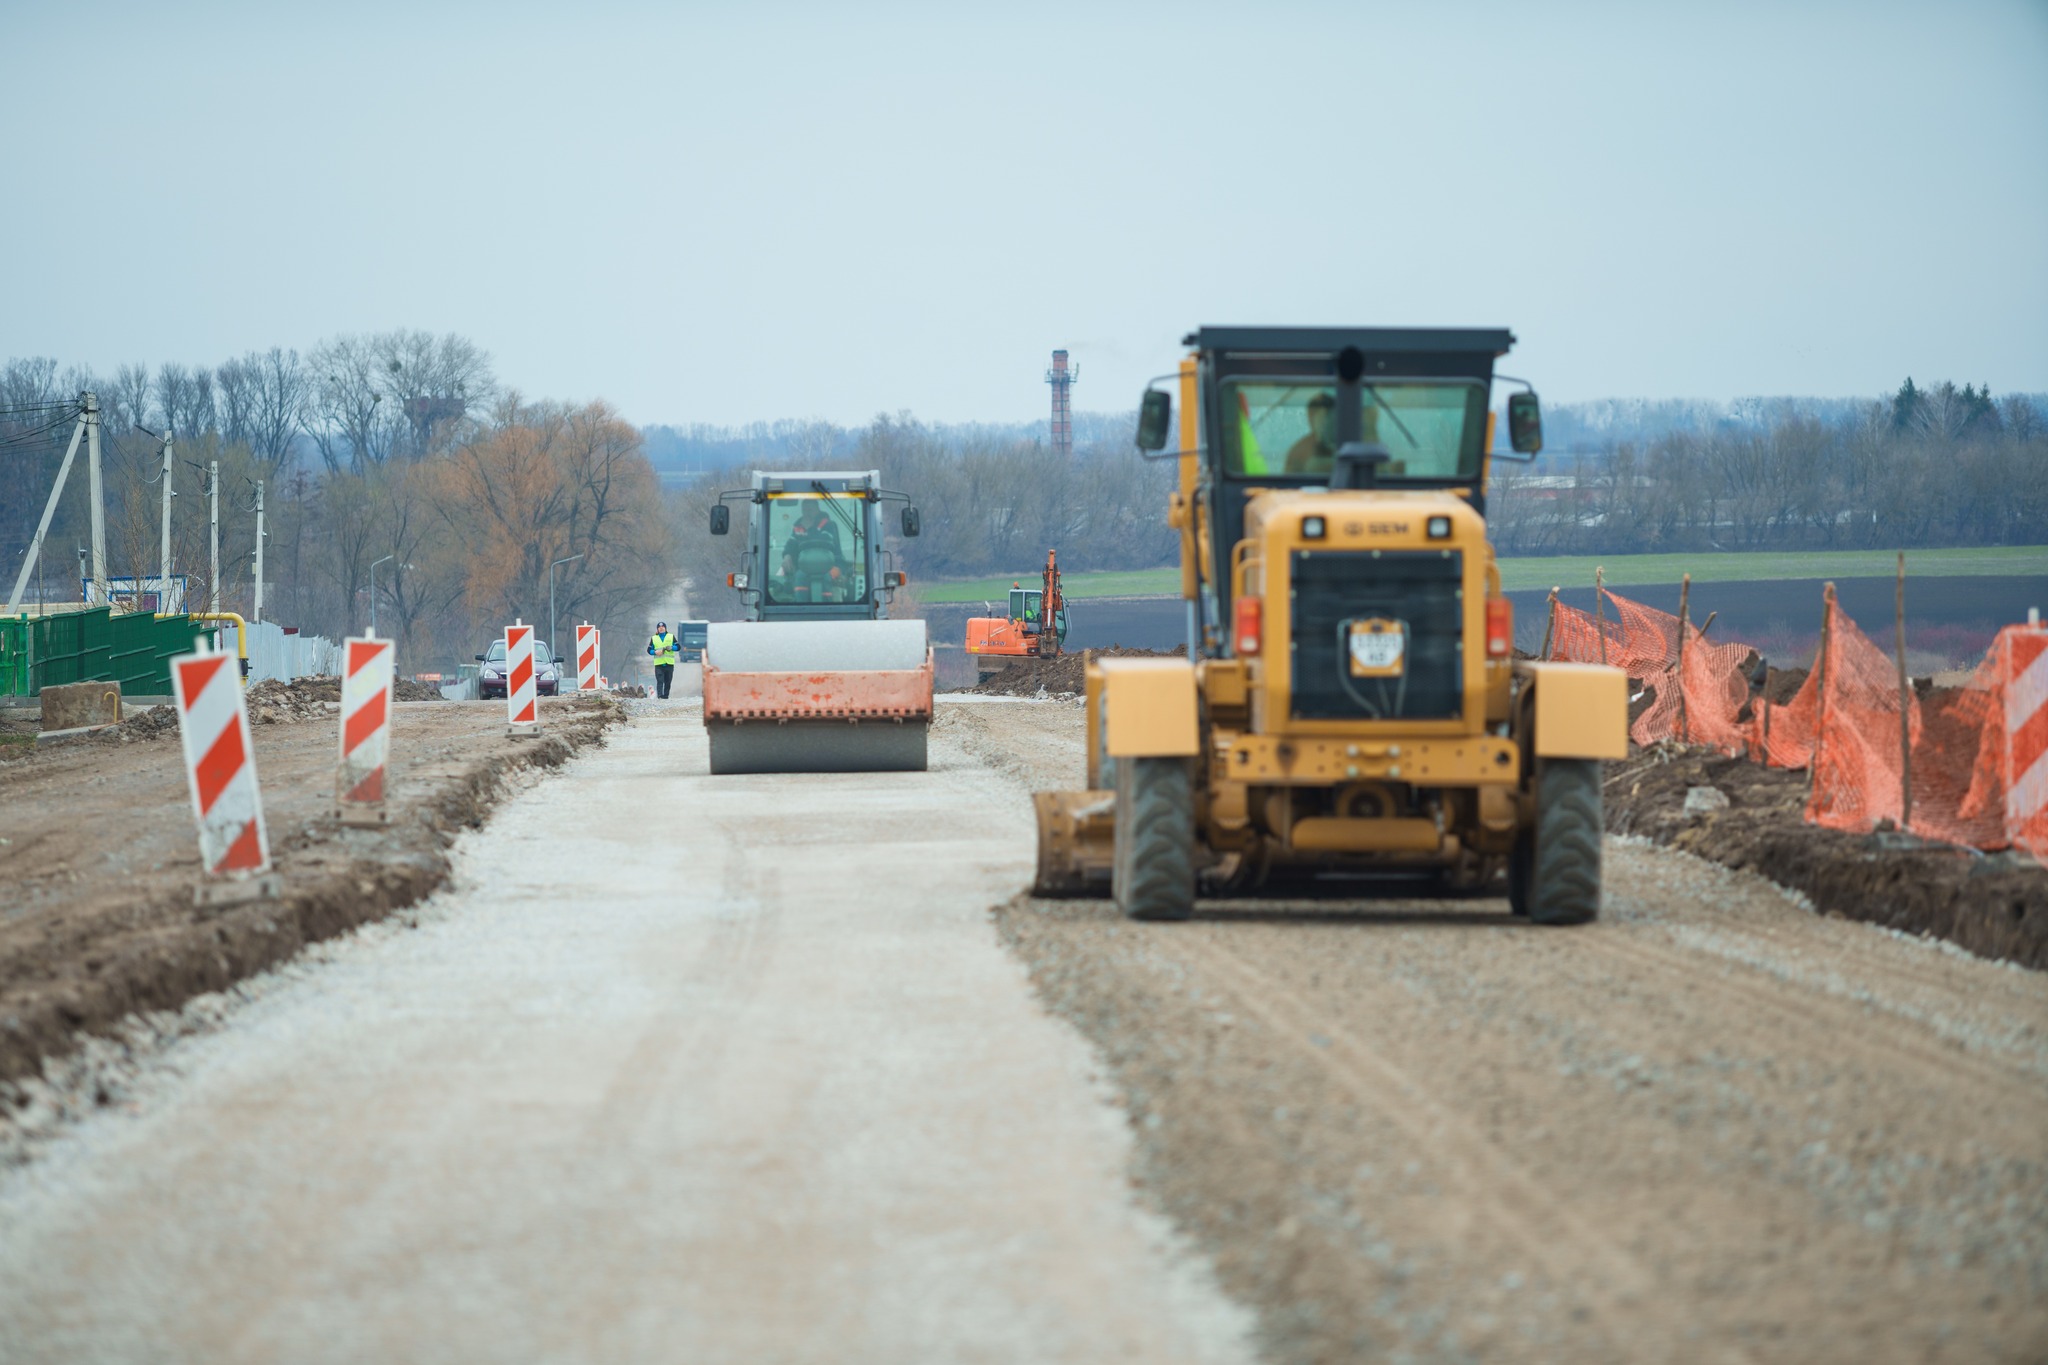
x=1554 y=871
x=1153 y=874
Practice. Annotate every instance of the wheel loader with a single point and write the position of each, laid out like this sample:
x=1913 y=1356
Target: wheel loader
x=816 y=679
x=1351 y=707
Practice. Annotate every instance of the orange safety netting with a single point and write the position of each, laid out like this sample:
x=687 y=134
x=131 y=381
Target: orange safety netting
x=1844 y=722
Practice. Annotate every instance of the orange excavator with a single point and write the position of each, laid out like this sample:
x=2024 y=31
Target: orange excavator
x=1036 y=627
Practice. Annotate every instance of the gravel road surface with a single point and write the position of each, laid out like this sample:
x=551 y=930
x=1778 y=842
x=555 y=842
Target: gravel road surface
x=682 y=1069
x=1712 y=1127
x=738 y=1071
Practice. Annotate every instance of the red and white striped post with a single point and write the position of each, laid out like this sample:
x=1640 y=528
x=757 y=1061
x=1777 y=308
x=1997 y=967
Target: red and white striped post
x=367 y=682
x=220 y=771
x=586 y=658
x=522 y=697
x=2026 y=738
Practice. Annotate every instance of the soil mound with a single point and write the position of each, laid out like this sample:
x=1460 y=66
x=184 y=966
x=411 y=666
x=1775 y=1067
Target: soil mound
x=1995 y=905
x=1067 y=673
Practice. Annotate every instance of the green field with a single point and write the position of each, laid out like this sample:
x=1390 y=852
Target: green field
x=2021 y=561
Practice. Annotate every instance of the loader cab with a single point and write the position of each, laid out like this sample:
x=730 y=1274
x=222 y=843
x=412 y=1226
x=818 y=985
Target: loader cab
x=815 y=545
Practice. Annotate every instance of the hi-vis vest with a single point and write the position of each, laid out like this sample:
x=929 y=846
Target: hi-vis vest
x=1247 y=442
x=664 y=646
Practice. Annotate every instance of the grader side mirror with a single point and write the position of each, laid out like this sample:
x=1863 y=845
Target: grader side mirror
x=1525 y=423
x=911 y=524
x=721 y=519
x=1155 y=414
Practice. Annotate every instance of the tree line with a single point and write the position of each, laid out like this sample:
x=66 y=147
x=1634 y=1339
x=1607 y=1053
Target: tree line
x=397 y=444
x=1934 y=466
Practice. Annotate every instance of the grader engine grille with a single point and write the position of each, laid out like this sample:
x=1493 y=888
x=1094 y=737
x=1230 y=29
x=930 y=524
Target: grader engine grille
x=1421 y=591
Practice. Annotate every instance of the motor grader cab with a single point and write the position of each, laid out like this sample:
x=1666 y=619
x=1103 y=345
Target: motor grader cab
x=816 y=679
x=1350 y=705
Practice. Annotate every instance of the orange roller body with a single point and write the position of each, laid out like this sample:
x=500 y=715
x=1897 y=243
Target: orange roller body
x=879 y=694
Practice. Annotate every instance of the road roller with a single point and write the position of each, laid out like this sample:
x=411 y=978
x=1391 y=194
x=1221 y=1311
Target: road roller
x=816 y=678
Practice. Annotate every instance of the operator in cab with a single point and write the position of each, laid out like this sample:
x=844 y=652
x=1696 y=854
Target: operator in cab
x=813 y=561
x=1313 y=453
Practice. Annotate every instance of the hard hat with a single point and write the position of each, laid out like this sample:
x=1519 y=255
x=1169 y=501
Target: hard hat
x=661 y=625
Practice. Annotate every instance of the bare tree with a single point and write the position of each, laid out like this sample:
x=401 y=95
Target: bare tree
x=185 y=399
x=128 y=398
x=434 y=383
x=354 y=426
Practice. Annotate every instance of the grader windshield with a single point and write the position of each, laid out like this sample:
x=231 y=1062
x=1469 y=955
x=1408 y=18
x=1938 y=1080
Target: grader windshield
x=1288 y=428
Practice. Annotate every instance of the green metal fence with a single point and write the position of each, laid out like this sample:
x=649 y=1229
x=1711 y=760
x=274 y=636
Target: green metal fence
x=134 y=650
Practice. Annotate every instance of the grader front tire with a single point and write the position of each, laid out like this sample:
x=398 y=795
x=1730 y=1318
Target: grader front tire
x=1153 y=876
x=1554 y=872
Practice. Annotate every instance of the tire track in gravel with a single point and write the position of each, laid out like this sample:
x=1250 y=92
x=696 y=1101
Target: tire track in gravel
x=686 y=1046
x=1851 y=1029
x=1603 y=1277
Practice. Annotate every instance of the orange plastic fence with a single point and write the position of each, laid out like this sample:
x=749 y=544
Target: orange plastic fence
x=1844 y=722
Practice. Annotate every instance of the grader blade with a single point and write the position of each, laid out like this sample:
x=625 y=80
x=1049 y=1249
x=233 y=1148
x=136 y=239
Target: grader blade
x=1076 y=842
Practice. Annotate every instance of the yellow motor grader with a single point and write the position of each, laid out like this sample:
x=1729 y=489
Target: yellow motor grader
x=1350 y=706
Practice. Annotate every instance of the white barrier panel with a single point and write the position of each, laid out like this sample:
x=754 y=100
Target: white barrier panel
x=586 y=658
x=2026 y=739
x=220 y=764
x=522 y=705
x=366 y=691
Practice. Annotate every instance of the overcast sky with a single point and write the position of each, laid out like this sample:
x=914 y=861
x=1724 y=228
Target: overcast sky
x=728 y=212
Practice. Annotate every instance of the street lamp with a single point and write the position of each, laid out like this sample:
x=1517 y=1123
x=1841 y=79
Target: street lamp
x=552 y=651
x=373 y=592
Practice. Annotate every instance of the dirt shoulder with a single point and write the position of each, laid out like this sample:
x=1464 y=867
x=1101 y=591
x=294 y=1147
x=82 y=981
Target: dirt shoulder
x=1711 y=1126
x=99 y=860
x=1995 y=905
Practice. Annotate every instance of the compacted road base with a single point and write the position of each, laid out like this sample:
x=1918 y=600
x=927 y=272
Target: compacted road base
x=1713 y=1126
x=691 y=1069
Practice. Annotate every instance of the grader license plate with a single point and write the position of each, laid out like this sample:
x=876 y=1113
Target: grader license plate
x=1379 y=648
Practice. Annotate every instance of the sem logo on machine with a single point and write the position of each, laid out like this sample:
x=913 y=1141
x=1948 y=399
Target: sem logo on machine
x=1390 y=528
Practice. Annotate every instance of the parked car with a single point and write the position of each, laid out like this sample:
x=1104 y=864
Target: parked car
x=490 y=679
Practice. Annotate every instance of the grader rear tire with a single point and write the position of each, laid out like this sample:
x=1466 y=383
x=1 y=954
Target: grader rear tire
x=1554 y=871
x=1153 y=875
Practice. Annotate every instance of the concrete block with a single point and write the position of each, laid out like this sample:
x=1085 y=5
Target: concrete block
x=73 y=706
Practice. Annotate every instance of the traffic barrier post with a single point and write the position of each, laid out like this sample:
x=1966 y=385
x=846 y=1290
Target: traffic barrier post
x=2026 y=738
x=367 y=683
x=220 y=772
x=586 y=658
x=522 y=688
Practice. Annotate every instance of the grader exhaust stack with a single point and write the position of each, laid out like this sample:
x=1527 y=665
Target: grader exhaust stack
x=816 y=680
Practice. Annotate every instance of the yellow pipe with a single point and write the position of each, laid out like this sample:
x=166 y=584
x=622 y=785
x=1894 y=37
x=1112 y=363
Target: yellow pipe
x=241 y=635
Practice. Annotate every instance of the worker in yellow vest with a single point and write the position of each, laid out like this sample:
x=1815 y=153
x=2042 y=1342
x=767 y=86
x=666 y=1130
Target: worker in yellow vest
x=662 y=645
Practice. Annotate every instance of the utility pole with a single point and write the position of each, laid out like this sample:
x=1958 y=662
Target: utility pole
x=213 y=528
x=256 y=614
x=163 y=586
x=91 y=403
x=35 y=547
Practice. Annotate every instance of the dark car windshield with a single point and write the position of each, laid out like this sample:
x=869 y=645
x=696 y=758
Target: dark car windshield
x=1287 y=428
x=496 y=653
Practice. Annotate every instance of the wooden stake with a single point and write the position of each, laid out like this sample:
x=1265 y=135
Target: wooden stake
x=1599 y=620
x=1905 y=711
x=1550 y=626
x=1820 y=691
x=1684 y=611
x=1708 y=624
